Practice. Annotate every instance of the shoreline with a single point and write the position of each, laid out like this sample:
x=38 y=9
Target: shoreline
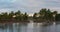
x=25 y=21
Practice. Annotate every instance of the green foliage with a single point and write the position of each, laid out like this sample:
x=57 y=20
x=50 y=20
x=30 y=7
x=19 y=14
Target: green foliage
x=4 y=16
x=11 y=15
x=35 y=16
x=17 y=16
x=18 y=12
x=43 y=14
x=57 y=17
x=25 y=16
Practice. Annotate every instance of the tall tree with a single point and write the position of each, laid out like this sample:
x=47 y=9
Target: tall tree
x=42 y=13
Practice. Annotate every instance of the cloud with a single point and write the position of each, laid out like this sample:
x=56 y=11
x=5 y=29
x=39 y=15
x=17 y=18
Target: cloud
x=29 y=6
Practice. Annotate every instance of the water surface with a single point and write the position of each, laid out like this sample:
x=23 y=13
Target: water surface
x=30 y=27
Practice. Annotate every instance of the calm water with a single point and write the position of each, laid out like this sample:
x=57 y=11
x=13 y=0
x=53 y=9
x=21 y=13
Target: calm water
x=30 y=27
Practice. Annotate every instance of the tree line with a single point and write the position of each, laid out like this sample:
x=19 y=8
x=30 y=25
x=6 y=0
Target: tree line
x=46 y=15
x=13 y=16
x=41 y=16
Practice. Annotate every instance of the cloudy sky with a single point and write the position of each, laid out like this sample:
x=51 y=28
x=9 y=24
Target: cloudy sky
x=29 y=6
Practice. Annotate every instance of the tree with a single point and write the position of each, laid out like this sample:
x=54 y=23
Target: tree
x=18 y=15
x=57 y=17
x=11 y=14
x=42 y=13
x=25 y=16
x=5 y=15
x=35 y=16
x=48 y=15
x=54 y=15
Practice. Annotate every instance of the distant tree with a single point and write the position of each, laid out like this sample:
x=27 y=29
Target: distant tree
x=49 y=11
x=35 y=16
x=4 y=16
x=11 y=14
x=54 y=15
x=57 y=17
x=42 y=13
x=49 y=14
x=18 y=15
x=25 y=16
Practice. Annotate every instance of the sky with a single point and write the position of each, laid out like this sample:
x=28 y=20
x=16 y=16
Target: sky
x=29 y=6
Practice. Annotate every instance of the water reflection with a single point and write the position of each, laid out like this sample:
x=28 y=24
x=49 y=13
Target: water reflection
x=29 y=27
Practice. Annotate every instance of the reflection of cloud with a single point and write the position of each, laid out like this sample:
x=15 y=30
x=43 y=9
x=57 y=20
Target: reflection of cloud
x=29 y=6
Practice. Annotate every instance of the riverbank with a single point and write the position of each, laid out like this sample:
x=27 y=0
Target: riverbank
x=26 y=21
x=14 y=21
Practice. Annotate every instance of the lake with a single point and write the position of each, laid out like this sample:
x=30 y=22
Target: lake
x=30 y=27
